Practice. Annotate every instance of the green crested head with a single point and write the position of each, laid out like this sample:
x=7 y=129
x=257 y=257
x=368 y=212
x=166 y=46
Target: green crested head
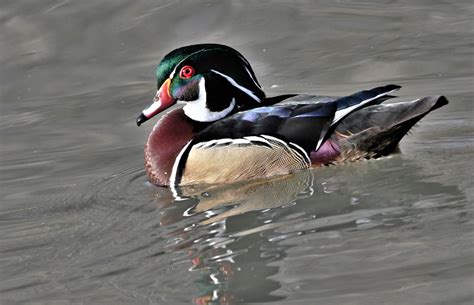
x=212 y=80
x=169 y=62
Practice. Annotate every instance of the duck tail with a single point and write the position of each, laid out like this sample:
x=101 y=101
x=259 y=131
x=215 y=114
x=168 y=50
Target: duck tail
x=376 y=130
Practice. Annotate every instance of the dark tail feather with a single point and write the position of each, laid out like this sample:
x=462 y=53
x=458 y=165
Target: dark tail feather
x=375 y=131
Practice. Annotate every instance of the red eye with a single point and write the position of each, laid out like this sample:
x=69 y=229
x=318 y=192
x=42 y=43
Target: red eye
x=186 y=72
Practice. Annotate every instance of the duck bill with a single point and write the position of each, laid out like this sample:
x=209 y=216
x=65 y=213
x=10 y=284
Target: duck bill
x=161 y=101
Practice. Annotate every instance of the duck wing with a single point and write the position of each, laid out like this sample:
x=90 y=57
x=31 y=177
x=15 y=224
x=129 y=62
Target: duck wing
x=266 y=141
x=303 y=120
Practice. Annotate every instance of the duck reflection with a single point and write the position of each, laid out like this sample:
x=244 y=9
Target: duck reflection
x=234 y=264
x=231 y=233
x=250 y=196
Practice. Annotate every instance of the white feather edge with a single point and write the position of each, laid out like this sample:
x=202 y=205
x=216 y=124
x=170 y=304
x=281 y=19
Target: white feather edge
x=302 y=151
x=340 y=114
x=249 y=139
x=236 y=85
x=343 y=112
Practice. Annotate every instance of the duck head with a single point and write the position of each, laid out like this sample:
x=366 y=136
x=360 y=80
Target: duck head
x=211 y=80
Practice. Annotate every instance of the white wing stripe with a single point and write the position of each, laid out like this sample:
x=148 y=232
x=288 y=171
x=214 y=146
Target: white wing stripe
x=343 y=112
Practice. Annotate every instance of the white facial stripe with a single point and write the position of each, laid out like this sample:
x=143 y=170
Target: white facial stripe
x=253 y=79
x=247 y=66
x=198 y=111
x=241 y=88
x=244 y=60
x=174 y=70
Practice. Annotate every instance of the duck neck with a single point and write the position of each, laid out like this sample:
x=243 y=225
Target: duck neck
x=172 y=132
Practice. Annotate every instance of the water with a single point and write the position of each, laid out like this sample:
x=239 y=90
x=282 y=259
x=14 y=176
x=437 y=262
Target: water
x=80 y=225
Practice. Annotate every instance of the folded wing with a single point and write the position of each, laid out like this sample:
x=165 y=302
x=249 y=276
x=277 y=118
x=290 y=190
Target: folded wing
x=266 y=141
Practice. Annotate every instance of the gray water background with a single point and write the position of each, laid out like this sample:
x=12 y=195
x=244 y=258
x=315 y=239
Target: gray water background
x=80 y=225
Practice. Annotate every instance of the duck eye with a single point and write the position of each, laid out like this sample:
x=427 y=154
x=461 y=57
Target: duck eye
x=186 y=72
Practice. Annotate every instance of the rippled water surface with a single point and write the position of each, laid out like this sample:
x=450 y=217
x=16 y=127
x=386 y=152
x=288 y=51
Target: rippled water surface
x=80 y=224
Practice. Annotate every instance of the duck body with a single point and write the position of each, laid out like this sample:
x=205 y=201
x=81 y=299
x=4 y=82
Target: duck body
x=239 y=134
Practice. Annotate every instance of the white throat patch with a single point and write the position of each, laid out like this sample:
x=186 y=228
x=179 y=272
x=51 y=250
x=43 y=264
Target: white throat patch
x=197 y=110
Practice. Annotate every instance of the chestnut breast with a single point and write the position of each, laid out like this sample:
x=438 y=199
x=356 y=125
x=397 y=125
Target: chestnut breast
x=172 y=132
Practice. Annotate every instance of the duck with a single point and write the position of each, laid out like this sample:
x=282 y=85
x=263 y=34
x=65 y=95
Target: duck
x=227 y=130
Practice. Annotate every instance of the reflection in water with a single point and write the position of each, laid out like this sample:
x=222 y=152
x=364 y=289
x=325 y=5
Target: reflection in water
x=231 y=262
x=231 y=234
x=250 y=196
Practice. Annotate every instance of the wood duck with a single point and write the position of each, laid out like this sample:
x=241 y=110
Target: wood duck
x=228 y=130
